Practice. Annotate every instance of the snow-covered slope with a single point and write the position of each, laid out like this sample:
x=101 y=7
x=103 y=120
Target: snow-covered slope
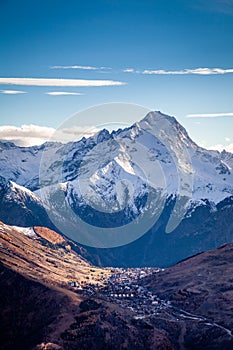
x=151 y=170
x=209 y=173
x=117 y=172
x=20 y=206
x=157 y=152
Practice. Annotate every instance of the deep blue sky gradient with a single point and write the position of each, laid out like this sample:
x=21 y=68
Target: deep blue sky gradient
x=159 y=34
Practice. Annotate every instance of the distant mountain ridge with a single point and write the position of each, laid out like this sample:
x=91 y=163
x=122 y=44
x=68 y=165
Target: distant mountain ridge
x=110 y=179
x=22 y=164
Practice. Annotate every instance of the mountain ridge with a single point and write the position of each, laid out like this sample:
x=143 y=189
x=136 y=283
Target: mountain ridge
x=109 y=180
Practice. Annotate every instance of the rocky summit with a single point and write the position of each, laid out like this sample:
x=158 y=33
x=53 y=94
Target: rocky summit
x=146 y=195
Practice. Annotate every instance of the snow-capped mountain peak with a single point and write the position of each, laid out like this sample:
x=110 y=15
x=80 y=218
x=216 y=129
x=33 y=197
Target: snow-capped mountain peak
x=110 y=189
x=156 y=151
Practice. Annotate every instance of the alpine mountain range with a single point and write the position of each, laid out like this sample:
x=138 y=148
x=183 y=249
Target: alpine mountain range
x=168 y=198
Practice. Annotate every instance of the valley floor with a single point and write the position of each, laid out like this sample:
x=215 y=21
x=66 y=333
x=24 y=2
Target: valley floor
x=52 y=298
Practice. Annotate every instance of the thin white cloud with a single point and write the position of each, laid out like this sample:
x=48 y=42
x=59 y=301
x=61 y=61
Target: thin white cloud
x=25 y=130
x=209 y=115
x=77 y=131
x=220 y=148
x=26 y=135
x=61 y=93
x=129 y=70
x=58 y=82
x=227 y=139
x=196 y=71
x=30 y=135
x=229 y=148
x=79 y=67
x=12 y=92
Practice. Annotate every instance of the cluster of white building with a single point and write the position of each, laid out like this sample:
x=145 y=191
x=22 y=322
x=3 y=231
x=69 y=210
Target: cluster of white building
x=126 y=287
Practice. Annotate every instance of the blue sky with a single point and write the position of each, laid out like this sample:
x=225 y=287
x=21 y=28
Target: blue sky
x=151 y=53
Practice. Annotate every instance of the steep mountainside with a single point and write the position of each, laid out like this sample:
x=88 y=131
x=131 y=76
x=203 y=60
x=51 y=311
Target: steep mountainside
x=20 y=206
x=148 y=188
x=201 y=286
x=40 y=309
x=188 y=306
x=206 y=228
x=45 y=256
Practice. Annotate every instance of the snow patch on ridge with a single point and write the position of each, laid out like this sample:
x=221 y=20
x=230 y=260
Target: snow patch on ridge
x=27 y=231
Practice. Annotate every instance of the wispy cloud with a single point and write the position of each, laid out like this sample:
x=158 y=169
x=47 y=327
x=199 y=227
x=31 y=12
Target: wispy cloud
x=196 y=71
x=129 y=70
x=209 y=115
x=62 y=93
x=58 y=82
x=220 y=148
x=12 y=92
x=76 y=132
x=229 y=148
x=30 y=135
x=26 y=135
x=80 y=67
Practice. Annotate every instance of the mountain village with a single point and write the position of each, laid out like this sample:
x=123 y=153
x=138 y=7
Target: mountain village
x=125 y=287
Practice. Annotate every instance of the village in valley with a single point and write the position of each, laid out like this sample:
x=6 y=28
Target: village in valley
x=124 y=287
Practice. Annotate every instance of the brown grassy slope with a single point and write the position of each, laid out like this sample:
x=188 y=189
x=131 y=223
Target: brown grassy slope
x=27 y=308
x=38 y=310
x=37 y=317
x=203 y=283
x=47 y=263
x=50 y=235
